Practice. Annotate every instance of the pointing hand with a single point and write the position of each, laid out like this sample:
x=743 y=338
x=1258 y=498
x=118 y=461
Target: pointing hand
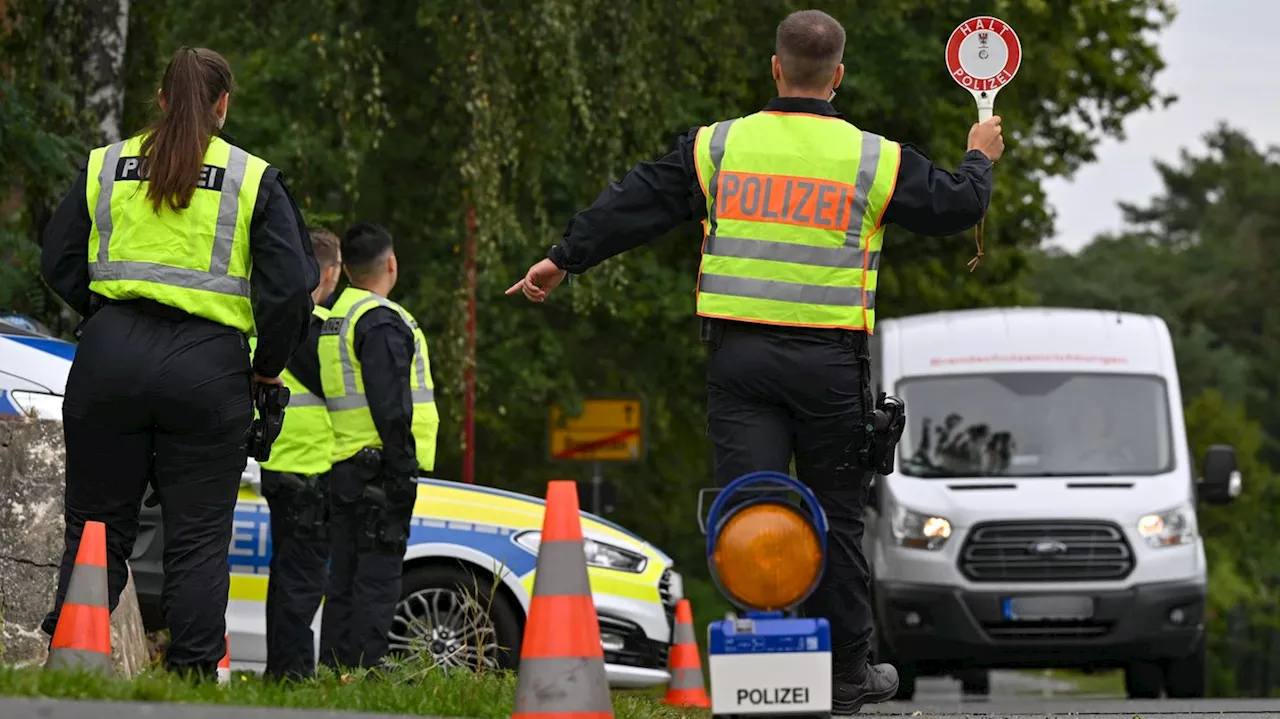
x=539 y=281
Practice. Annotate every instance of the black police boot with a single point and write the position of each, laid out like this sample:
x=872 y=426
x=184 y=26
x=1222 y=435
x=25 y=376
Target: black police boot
x=876 y=683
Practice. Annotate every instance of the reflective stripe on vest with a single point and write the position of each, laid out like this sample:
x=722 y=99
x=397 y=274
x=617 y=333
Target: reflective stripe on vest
x=305 y=444
x=196 y=259
x=793 y=232
x=343 y=381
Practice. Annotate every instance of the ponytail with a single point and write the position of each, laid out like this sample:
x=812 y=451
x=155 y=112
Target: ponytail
x=173 y=151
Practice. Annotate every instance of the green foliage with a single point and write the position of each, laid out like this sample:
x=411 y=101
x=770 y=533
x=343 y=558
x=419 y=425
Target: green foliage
x=409 y=114
x=44 y=134
x=1195 y=256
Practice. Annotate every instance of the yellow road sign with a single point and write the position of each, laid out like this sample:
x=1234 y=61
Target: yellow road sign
x=608 y=430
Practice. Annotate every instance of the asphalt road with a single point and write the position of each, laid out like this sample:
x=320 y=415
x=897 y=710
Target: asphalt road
x=1025 y=696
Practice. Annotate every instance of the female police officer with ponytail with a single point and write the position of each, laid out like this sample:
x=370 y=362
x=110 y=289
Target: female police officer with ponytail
x=175 y=245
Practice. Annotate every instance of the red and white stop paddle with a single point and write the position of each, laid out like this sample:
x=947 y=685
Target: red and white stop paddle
x=983 y=55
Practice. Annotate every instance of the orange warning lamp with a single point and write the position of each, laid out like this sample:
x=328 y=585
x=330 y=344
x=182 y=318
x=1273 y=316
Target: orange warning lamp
x=766 y=554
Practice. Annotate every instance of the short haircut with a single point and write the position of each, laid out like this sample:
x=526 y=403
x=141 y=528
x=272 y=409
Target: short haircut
x=810 y=45
x=326 y=245
x=363 y=245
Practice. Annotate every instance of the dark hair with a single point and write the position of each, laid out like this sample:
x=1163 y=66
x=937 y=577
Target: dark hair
x=325 y=245
x=810 y=45
x=363 y=245
x=173 y=152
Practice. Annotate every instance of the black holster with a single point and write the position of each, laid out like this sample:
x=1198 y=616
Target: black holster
x=269 y=401
x=883 y=429
x=305 y=502
x=712 y=332
x=387 y=506
x=96 y=302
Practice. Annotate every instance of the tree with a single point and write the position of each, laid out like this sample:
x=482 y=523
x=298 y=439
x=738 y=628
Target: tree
x=45 y=132
x=410 y=113
x=1194 y=256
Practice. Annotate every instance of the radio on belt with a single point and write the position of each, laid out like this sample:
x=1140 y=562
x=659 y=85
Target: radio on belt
x=766 y=555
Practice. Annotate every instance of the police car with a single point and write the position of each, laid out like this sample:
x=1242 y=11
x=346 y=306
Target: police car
x=33 y=369
x=468 y=578
x=468 y=570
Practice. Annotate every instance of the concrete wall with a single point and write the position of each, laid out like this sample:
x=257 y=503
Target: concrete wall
x=32 y=473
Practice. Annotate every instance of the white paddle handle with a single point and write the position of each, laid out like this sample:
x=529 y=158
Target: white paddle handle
x=986 y=103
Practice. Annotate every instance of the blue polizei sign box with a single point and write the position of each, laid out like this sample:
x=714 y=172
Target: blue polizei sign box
x=765 y=663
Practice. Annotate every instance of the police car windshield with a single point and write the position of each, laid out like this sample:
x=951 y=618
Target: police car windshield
x=1035 y=425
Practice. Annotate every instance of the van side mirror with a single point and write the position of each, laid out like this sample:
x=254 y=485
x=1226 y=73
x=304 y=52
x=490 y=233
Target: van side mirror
x=1221 y=482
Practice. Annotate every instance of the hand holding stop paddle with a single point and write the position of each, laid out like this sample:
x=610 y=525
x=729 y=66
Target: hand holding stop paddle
x=987 y=138
x=983 y=54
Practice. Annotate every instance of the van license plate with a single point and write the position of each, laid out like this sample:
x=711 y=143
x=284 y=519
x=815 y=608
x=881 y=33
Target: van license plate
x=1047 y=609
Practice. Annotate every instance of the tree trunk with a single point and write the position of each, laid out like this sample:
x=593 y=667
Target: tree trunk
x=107 y=28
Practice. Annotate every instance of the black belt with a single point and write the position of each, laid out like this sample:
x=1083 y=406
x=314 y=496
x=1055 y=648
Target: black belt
x=155 y=309
x=714 y=328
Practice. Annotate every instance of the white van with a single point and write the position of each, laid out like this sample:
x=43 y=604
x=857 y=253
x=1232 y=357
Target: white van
x=1042 y=511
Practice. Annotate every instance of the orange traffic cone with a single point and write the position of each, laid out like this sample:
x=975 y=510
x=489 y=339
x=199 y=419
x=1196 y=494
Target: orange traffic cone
x=562 y=672
x=82 y=637
x=686 y=688
x=224 y=664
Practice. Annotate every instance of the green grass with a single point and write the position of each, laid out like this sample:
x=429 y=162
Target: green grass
x=402 y=691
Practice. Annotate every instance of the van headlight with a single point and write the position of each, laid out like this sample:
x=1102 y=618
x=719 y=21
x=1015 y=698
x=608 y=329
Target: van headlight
x=1167 y=529
x=919 y=531
x=599 y=554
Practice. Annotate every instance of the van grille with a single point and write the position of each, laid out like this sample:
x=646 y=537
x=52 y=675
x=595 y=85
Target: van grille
x=1046 y=552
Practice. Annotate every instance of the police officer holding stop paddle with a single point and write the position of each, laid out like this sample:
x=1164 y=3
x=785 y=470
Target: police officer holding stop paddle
x=794 y=202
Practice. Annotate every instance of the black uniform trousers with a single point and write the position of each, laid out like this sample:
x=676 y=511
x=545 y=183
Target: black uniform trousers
x=156 y=392
x=296 y=584
x=364 y=582
x=775 y=392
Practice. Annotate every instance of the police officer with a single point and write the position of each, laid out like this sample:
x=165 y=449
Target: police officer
x=794 y=201
x=295 y=484
x=377 y=384
x=158 y=244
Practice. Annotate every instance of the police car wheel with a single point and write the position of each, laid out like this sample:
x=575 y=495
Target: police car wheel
x=453 y=618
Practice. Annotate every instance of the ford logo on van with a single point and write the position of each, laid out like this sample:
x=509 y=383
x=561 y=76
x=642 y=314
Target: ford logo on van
x=1047 y=548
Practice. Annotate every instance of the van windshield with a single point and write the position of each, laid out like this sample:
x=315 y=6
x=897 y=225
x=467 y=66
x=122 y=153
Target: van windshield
x=1035 y=425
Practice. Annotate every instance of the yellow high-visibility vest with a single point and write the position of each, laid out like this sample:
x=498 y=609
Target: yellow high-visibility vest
x=305 y=444
x=793 y=233
x=196 y=259
x=343 y=380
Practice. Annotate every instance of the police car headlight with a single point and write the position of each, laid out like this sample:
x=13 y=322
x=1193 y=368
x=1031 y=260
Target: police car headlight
x=1167 y=529
x=918 y=531
x=599 y=554
x=39 y=405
